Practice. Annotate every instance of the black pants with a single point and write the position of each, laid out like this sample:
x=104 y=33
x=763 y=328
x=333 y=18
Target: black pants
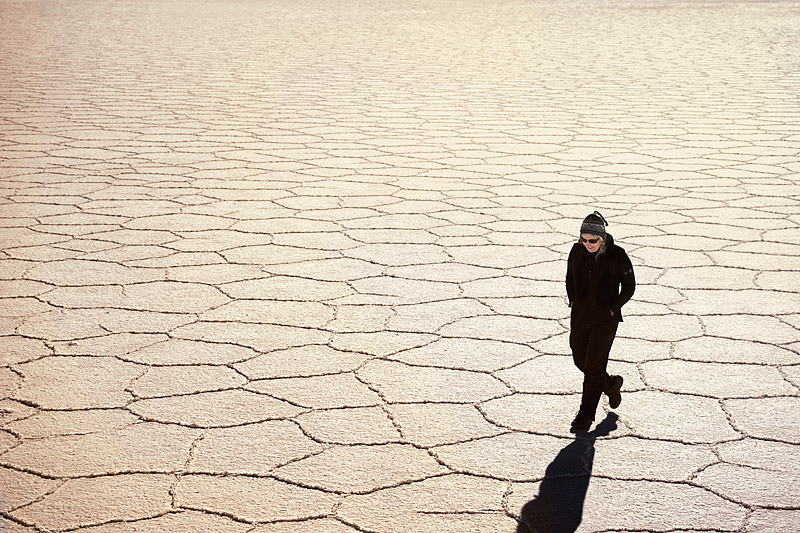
x=591 y=344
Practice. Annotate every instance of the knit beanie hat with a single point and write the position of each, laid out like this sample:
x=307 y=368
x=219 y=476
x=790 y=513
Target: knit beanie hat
x=594 y=224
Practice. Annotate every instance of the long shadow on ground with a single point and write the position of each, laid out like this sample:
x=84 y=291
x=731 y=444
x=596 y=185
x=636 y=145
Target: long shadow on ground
x=558 y=508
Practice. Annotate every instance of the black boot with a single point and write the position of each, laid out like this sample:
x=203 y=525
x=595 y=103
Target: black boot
x=582 y=422
x=612 y=390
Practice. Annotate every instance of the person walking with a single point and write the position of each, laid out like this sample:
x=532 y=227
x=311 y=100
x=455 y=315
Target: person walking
x=600 y=281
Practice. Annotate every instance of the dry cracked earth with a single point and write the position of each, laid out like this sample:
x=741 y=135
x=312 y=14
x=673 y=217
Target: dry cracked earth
x=298 y=266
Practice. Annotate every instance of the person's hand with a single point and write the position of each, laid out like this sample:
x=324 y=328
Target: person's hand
x=611 y=311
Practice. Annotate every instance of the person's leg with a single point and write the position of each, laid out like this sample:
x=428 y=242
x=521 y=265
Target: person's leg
x=579 y=333
x=595 y=364
x=579 y=336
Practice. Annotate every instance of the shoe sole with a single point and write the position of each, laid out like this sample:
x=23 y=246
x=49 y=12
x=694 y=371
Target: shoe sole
x=614 y=394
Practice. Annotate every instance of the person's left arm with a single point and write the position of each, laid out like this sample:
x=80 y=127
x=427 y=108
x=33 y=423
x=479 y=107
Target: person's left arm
x=627 y=280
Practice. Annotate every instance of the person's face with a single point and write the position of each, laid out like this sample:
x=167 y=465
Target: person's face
x=591 y=242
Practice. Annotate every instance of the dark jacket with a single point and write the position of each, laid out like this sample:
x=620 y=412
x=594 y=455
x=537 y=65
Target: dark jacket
x=600 y=282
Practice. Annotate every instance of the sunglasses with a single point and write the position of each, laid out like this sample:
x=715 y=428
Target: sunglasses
x=590 y=241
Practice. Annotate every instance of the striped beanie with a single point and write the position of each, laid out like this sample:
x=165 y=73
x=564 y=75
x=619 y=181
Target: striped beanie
x=594 y=224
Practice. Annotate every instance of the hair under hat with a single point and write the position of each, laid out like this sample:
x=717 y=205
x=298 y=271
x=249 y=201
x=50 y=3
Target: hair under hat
x=594 y=224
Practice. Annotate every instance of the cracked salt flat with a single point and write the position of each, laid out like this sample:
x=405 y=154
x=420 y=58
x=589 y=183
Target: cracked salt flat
x=292 y=267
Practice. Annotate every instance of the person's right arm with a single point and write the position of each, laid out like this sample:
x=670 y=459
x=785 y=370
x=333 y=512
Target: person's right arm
x=570 y=282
